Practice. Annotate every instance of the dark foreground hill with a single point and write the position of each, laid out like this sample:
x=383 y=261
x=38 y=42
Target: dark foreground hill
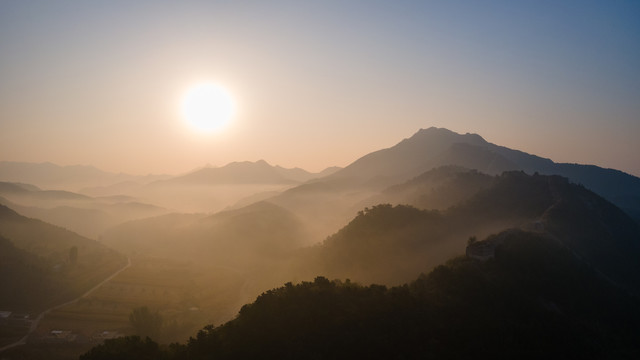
x=533 y=299
x=43 y=264
x=25 y=278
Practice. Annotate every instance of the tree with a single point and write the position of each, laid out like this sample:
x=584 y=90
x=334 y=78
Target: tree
x=73 y=255
x=126 y=348
x=145 y=322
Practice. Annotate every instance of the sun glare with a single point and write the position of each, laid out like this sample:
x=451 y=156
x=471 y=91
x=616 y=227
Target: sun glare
x=207 y=107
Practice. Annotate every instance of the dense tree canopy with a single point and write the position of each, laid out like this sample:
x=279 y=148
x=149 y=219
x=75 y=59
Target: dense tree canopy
x=534 y=299
x=145 y=322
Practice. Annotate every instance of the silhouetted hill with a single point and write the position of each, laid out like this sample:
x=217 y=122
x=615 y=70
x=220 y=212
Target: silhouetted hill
x=433 y=147
x=328 y=171
x=324 y=205
x=328 y=203
x=80 y=213
x=391 y=244
x=11 y=187
x=236 y=238
x=254 y=234
x=438 y=188
x=534 y=299
x=599 y=232
x=52 y=245
x=25 y=279
x=405 y=160
x=246 y=172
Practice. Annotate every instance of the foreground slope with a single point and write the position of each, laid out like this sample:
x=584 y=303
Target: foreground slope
x=49 y=248
x=534 y=298
x=24 y=278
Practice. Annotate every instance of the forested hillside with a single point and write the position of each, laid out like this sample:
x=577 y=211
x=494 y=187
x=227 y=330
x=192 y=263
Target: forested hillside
x=532 y=299
x=57 y=264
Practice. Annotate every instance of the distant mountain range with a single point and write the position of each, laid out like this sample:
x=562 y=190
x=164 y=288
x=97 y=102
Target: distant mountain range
x=51 y=176
x=552 y=251
x=425 y=150
x=435 y=147
x=83 y=214
x=208 y=189
x=246 y=172
x=560 y=275
x=97 y=182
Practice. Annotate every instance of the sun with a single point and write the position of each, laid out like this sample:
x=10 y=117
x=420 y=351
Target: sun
x=207 y=107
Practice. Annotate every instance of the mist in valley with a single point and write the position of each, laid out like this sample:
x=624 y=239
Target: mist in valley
x=319 y=180
x=179 y=268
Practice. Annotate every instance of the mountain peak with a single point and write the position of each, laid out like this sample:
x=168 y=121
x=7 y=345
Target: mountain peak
x=445 y=133
x=408 y=158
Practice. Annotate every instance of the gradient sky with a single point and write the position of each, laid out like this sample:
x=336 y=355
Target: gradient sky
x=316 y=83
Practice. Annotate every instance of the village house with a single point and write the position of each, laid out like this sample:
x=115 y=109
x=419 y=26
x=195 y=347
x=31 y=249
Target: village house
x=106 y=335
x=59 y=336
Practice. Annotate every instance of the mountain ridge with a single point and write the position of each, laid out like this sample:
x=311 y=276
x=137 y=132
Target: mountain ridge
x=244 y=172
x=68 y=177
x=434 y=147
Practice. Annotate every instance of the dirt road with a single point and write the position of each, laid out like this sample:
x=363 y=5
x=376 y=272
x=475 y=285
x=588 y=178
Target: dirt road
x=34 y=324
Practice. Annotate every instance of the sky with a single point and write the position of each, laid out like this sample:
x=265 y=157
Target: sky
x=316 y=83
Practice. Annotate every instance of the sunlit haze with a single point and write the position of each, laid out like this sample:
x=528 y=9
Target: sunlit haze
x=328 y=179
x=207 y=107
x=317 y=84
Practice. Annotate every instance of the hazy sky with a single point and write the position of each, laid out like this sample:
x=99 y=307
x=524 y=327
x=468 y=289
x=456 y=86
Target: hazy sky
x=316 y=83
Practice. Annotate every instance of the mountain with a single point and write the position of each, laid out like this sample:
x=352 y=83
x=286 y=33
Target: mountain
x=406 y=159
x=246 y=172
x=559 y=275
x=533 y=298
x=433 y=147
x=328 y=171
x=80 y=213
x=125 y=187
x=439 y=189
x=74 y=177
x=237 y=238
x=24 y=278
x=334 y=199
x=391 y=244
x=16 y=188
x=44 y=250
x=213 y=189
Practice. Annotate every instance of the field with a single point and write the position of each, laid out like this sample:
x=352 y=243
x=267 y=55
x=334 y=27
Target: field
x=186 y=295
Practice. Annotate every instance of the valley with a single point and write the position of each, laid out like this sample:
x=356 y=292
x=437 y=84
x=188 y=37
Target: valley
x=374 y=227
x=324 y=180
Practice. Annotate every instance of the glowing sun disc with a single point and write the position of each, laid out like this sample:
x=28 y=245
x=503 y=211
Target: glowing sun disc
x=207 y=107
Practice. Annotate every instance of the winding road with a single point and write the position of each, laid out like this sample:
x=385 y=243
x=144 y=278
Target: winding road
x=34 y=324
